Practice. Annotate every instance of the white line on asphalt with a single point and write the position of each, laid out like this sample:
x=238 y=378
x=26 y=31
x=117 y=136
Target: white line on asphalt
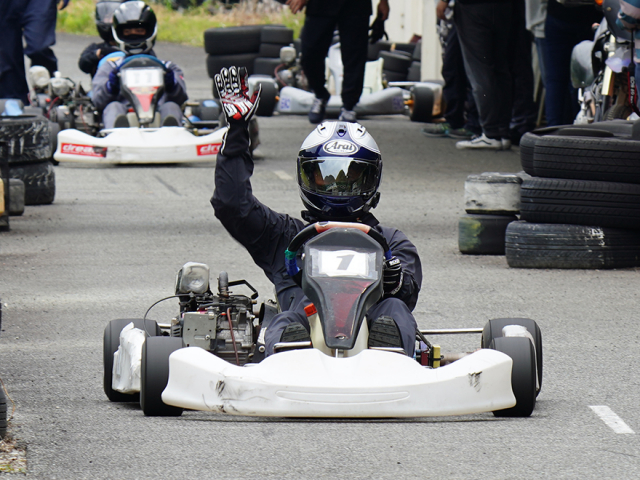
x=612 y=420
x=282 y=175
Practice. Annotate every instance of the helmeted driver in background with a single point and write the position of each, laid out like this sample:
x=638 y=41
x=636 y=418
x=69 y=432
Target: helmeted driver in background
x=334 y=185
x=134 y=30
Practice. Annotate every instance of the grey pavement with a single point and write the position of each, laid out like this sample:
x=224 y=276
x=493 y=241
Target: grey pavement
x=111 y=243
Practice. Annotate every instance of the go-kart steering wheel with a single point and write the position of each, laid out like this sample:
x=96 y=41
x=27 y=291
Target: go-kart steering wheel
x=141 y=56
x=314 y=229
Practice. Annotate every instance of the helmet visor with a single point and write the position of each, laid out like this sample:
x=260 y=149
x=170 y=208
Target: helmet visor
x=339 y=176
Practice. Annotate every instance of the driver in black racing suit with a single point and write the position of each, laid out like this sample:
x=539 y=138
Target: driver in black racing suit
x=339 y=168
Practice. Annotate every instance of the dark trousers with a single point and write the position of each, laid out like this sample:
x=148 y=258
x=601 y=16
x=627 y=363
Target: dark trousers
x=524 y=111
x=36 y=21
x=484 y=30
x=391 y=307
x=461 y=107
x=561 y=99
x=316 y=39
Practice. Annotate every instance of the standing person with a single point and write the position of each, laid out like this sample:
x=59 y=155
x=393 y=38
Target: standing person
x=35 y=22
x=485 y=32
x=351 y=17
x=564 y=28
x=339 y=184
x=461 y=116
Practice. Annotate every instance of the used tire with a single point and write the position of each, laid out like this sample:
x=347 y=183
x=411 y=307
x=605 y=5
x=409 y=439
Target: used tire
x=154 y=375
x=523 y=374
x=493 y=330
x=110 y=344
x=374 y=49
x=27 y=138
x=268 y=99
x=548 y=245
x=215 y=63
x=527 y=144
x=270 y=50
x=580 y=202
x=483 y=234
x=586 y=158
x=413 y=75
x=232 y=40
x=396 y=61
x=39 y=181
x=3 y=414
x=394 y=76
x=492 y=193
x=421 y=108
x=16 y=197
x=266 y=66
x=277 y=35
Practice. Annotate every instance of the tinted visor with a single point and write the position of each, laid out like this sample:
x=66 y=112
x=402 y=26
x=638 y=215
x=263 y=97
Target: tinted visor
x=338 y=176
x=104 y=11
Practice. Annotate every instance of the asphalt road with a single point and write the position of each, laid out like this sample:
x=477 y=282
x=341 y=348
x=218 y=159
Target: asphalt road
x=111 y=244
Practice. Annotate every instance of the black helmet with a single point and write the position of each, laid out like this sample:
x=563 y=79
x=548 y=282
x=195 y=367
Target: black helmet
x=339 y=171
x=104 y=18
x=134 y=14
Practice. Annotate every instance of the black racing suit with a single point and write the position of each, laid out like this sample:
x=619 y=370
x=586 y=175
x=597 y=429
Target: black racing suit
x=266 y=234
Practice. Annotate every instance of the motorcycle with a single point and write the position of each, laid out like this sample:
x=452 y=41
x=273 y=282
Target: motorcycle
x=600 y=71
x=211 y=356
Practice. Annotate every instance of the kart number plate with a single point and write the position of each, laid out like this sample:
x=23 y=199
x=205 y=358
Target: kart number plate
x=343 y=263
x=143 y=77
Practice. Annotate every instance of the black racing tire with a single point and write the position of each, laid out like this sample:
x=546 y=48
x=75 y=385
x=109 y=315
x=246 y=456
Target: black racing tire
x=527 y=144
x=270 y=50
x=110 y=344
x=215 y=63
x=268 y=99
x=417 y=52
x=413 y=75
x=586 y=158
x=523 y=374
x=483 y=234
x=396 y=62
x=207 y=113
x=493 y=330
x=580 y=202
x=3 y=414
x=276 y=35
x=556 y=245
x=394 y=76
x=39 y=181
x=421 y=109
x=232 y=40
x=404 y=48
x=154 y=375
x=27 y=138
x=374 y=49
x=266 y=66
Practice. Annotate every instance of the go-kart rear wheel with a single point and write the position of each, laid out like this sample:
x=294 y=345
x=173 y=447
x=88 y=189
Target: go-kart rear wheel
x=493 y=329
x=523 y=374
x=110 y=346
x=421 y=109
x=154 y=375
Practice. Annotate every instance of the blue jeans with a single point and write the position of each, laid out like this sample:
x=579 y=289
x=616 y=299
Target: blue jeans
x=561 y=100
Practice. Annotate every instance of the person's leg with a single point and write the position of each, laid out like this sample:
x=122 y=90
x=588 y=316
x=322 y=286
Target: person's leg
x=400 y=313
x=111 y=112
x=281 y=321
x=353 y=47
x=13 y=83
x=316 y=39
x=484 y=31
x=39 y=23
x=168 y=110
x=455 y=80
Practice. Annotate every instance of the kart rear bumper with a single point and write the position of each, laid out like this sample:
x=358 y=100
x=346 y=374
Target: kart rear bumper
x=308 y=383
x=137 y=145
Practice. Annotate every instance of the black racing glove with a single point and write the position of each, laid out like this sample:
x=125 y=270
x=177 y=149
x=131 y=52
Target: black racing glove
x=392 y=277
x=234 y=94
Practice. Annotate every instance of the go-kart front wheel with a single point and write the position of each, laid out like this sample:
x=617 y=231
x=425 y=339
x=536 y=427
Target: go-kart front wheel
x=523 y=374
x=154 y=375
x=110 y=345
x=421 y=109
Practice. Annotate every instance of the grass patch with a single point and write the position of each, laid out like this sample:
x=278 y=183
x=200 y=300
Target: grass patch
x=13 y=456
x=187 y=27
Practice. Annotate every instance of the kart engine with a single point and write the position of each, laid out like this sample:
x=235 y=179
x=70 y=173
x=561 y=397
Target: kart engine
x=222 y=324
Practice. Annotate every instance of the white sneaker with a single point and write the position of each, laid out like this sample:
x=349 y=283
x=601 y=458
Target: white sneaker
x=480 y=142
x=347 y=116
x=506 y=144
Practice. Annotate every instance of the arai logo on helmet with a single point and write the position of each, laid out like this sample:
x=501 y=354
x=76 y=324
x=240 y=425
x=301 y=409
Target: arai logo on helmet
x=340 y=147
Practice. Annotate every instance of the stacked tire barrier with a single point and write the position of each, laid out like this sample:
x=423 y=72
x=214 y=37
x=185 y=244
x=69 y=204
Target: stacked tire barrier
x=581 y=206
x=28 y=141
x=401 y=60
x=255 y=47
x=491 y=204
